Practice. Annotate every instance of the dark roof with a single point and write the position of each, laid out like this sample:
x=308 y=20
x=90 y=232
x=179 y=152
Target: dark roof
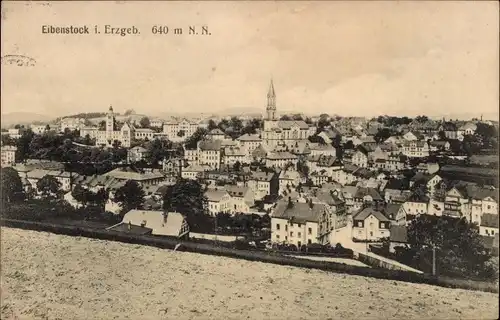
x=300 y=212
x=392 y=209
x=366 y=212
x=398 y=234
x=362 y=192
x=489 y=220
x=397 y=184
x=130 y=228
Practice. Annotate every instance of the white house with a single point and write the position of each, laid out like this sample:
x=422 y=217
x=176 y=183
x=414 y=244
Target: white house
x=209 y=153
x=370 y=225
x=296 y=223
x=489 y=225
x=415 y=149
x=135 y=154
x=242 y=198
x=280 y=159
x=218 y=201
x=162 y=223
x=179 y=130
x=8 y=155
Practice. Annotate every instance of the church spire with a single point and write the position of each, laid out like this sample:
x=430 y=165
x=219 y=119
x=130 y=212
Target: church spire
x=271 y=93
x=271 y=102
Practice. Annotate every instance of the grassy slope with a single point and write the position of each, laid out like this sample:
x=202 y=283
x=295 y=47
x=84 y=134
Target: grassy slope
x=71 y=278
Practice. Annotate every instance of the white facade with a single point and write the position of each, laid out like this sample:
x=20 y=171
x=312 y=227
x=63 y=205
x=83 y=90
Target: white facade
x=8 y=155
x=110 y=134
x=298 y=234
x=179 y=130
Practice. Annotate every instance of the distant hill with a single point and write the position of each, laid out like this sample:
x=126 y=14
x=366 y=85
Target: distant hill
x=11 y=119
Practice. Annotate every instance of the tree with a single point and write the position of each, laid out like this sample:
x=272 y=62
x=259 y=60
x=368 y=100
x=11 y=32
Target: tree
x=181 y=133
x=199 y=134
x=237 y=166
x=459 y=248
x=442 y=135
x=102 y=125
x=297 y=117
x=23 y=145
x=188 y=198
x=348 y=145
x=144 y=122
x=81 y=194
x=12 y=187
x=158 y=150
x=285 y=118
x=382 y=135
x=252 y=126
x=303 y=168
x=211 y=125
x=49 y=187
x=421 y=119
x=130 y=196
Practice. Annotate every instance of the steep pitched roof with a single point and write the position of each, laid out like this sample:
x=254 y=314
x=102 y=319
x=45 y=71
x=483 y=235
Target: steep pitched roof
x=300 y=212
x=366 y=212
x=215 y=195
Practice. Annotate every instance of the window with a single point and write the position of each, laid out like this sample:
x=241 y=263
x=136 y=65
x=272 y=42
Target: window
x=371 y=233
x=286 y=238
x=277 y=236
x=309 y=231
x=360 y=224
x=291 y=233
x=286 y=227
x=298 y=225
x=309 y=241
x=489 y=207
x=299 y=235
x=382 y=225
x=278 y=226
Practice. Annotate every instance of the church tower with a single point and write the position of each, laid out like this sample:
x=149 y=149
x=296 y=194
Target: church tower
x=271 y=103
x=110 y=122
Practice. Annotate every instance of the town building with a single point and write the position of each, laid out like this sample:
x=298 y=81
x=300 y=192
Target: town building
x=209 y=153
x=71 y=124
x=179 y=130
x=281 y=160
x=8 y=155
x=112 y=132
x=370 y=225
x=296 y=223
x=172 y=224
x=136 y=154
x=218 y=201
x=281 y=131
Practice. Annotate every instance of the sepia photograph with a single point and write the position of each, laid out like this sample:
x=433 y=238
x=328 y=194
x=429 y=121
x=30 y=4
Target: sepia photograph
x=249 y=160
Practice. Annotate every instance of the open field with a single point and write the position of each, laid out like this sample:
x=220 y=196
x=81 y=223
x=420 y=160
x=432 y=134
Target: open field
x=52 y=276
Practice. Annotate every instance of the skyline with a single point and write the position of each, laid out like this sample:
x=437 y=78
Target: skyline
x=403 y=58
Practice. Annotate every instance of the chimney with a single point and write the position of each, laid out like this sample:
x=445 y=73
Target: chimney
x=129 y=225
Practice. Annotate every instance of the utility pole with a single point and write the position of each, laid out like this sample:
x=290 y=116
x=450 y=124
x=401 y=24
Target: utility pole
x=433 y=260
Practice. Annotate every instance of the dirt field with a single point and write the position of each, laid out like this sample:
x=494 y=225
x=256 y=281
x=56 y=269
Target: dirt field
x=47 y=276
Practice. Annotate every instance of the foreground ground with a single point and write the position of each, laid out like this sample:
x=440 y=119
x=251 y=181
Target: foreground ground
x=47 y=276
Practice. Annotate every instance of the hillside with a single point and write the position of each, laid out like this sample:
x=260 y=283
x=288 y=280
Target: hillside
x=11 y=119
x=52 y=276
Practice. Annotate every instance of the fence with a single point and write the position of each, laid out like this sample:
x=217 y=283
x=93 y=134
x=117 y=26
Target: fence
x=266 y=257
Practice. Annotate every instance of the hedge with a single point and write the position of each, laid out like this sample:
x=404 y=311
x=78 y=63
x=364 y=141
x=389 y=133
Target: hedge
x=266 y=257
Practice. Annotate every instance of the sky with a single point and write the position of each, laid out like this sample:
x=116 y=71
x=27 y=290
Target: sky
x=347 y=58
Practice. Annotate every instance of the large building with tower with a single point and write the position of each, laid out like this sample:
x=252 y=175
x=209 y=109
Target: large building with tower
x=112 y=132
x=278 y=132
